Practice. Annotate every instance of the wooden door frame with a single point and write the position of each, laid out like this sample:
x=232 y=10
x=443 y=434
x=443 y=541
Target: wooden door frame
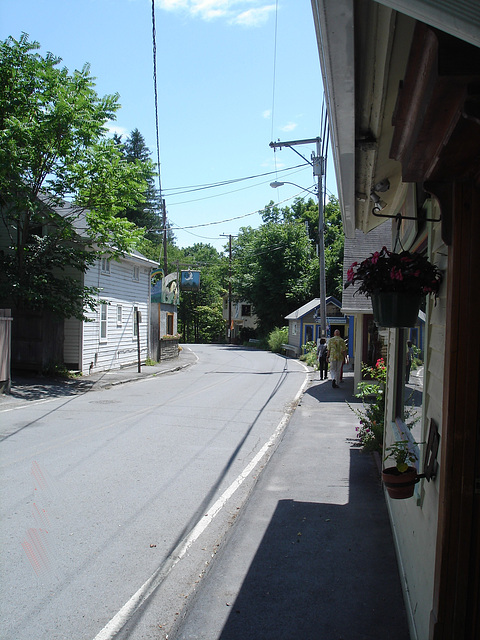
x=456 y=603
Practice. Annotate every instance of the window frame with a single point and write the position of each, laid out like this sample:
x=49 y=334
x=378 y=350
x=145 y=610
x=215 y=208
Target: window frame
x=119 y=315
x=103 y=322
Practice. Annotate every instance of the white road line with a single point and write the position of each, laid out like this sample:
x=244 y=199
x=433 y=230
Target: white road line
x=119 y=619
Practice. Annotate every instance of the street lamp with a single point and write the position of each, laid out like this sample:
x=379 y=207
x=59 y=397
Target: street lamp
x=276 y=184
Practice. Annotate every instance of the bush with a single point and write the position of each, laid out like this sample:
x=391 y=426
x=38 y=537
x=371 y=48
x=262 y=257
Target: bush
x=276 y=338
x=372 y=416
x=310 y=355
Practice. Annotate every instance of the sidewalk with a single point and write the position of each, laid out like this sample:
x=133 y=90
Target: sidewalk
x=312 y=555
x=28 y=388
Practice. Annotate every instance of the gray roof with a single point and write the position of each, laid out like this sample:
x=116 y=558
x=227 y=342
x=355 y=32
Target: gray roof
x=308 y=307
x=357 y=249
x=78 y=218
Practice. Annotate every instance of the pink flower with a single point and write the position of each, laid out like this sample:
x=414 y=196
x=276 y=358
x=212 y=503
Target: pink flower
x=396 y=274
x=375 y=257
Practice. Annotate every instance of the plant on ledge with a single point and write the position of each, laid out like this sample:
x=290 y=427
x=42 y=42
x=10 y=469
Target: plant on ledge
x=401 y=479
x=402 y=454
x=371 y=417
x=388 y=272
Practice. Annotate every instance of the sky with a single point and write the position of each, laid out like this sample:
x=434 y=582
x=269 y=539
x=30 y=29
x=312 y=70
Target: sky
x=232 y=75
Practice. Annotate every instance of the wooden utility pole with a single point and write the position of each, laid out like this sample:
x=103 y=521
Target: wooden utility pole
x=164 y=218
x=229 y=330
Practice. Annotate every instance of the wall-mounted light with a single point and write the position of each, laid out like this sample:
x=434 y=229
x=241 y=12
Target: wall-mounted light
x=378 y=203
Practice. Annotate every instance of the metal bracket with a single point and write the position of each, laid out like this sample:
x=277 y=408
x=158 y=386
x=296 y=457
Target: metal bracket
x=399 y=217
x=431 y=450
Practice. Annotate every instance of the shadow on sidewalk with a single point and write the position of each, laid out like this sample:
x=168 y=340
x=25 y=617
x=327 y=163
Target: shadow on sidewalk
x=324 y=571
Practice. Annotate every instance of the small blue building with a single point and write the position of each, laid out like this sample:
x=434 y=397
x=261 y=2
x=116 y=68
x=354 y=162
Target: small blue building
x=304 y=324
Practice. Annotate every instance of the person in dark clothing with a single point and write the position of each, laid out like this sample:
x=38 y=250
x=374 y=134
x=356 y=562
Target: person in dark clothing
x=322 y=358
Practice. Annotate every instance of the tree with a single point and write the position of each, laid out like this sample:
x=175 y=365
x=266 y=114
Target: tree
x=276 y=266
x=334 y=243
x=272 y=269
x=145 y=212
x=63 y=183
x=307 y=212
x=200 y=314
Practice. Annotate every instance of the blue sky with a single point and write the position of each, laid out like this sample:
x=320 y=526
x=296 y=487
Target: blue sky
x=223 y=93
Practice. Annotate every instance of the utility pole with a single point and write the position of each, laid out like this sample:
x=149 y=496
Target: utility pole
x=317 y=163
x=229 y=287
x=164 y=219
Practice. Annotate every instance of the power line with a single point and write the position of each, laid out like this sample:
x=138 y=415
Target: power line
x=245 y=215
x=177 y=191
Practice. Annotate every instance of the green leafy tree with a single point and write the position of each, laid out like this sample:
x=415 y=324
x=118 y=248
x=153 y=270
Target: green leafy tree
x=306 y=211
x=146 y=211
x=200 y=313
x=334 y=243
x=272 y=269
x=61 y=177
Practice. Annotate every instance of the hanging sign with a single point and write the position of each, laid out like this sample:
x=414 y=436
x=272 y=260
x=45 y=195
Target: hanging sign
x=190 y=280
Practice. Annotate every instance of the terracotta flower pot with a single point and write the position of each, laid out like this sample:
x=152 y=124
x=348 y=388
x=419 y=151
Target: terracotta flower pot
x=395 y=309
x=400 y=485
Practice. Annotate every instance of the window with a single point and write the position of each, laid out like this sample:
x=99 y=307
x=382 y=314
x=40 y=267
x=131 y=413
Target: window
x=119 y=315
x=135 y=321
x=103 y=322
x=136 y=273
x=246 y=309
x=105 y=265
x=169 y=324
x=294 y=328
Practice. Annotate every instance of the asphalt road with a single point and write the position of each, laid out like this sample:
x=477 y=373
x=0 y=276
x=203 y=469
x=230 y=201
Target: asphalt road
x=115 y=501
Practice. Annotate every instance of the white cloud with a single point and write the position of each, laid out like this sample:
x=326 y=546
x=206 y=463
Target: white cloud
x=113 y=127
x=238 y=12
x=254 y=17
x=267 y=114
x=290 y=126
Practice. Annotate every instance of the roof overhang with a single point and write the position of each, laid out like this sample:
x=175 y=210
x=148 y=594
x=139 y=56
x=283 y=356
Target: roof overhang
x=364 y=48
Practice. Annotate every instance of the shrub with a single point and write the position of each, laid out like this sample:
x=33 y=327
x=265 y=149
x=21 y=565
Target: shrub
x=372 y=416
x=276 y=338
x=310 y=355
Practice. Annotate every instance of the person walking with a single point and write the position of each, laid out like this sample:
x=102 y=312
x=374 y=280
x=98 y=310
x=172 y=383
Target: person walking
x=322 y=358
x=336 y=352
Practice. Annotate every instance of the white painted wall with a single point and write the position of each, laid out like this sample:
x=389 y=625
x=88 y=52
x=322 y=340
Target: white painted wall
x=127 y=285
x=414 y=521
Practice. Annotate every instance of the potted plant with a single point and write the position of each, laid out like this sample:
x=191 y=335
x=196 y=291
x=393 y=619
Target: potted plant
x=401 y=479
x=396 y=283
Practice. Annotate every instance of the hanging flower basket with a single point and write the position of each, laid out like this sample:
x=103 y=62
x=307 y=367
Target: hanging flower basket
x=400 y=485
x=396 y=283
x=396 y=308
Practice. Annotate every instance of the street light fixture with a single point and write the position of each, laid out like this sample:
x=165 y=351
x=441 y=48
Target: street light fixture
x=276 y=184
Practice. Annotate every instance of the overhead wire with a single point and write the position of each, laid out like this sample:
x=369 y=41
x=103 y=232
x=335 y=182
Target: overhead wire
x=244 y=215
x=274 y=81
x=218 y=195
x=154 y=54
x=213 y=185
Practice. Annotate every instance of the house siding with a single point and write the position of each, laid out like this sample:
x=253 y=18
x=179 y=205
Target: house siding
x=117 y=288
x=72 y=346
x=415 y=521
